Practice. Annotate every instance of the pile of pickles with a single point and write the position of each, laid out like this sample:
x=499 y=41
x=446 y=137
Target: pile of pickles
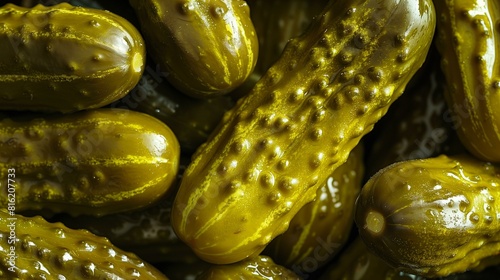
x=131 y=146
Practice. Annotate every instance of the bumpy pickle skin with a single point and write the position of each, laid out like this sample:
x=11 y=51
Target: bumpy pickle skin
x=469 y=42
x=208 y=47
x=433 y=217
x=63 y=58
x=282 y=140
x=46 y=250
x=94 y=162
x=321 y=228
x=258 y=267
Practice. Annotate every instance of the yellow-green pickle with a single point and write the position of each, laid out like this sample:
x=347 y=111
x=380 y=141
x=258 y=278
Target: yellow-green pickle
x=45 y=250
x=321 y=228
x=468 y=39
x=207 y=47
x=63 y=58
x=433 y=217
x=280 y=143
x=93 y=162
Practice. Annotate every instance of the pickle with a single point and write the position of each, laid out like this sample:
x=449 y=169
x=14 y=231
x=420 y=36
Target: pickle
x=32 y=248
x=92 y=162
x=280 y=143
x=468 y=41
x=259 y=267
x=321 y=228
x=63 y=58
x=208 y=48
x=433 y=217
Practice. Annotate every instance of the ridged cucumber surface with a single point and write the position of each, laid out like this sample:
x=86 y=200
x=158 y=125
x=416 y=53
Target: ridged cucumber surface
x=32 y=248
x=299 y=123
x=468 y=39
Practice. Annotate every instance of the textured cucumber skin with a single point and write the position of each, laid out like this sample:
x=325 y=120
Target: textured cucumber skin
x=92 y=162
x=281 y=141
x=321 y=228
x=468 y=41
x=207 y=47
x=46 y=250
x=63 y=58
x=439 y=216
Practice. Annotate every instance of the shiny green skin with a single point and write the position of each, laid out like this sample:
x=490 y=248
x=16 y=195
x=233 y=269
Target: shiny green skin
x=93 y=162
x=436 y=216
x=191 y=119
x=208 y=48
x=321 y=228
x=469 y=43
x=46 y=250
x=278 y=21
x=281 y=142
x=418 y=124
x=259 y=267
x=63 y=58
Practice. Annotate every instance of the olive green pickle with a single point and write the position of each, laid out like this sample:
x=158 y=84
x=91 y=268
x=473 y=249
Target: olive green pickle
x=63 y=58
x=282 y=140
x=433 y=217
x=92 y=162
x=208 y=48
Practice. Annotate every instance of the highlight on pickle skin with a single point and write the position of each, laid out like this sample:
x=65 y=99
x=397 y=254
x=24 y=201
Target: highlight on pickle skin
x=432 y=217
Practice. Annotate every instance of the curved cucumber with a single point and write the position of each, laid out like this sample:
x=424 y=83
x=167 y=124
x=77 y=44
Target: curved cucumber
x=280 y=143
x=468 y=40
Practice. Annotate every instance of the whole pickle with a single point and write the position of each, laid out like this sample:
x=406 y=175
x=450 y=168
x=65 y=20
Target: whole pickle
x=45 y=250
x=433 y=217
x=321 y=228
x=208 y=48
x=64 y=58
x=280 y=143
x=468 y=41
x=258 y=267
x=92 y=162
